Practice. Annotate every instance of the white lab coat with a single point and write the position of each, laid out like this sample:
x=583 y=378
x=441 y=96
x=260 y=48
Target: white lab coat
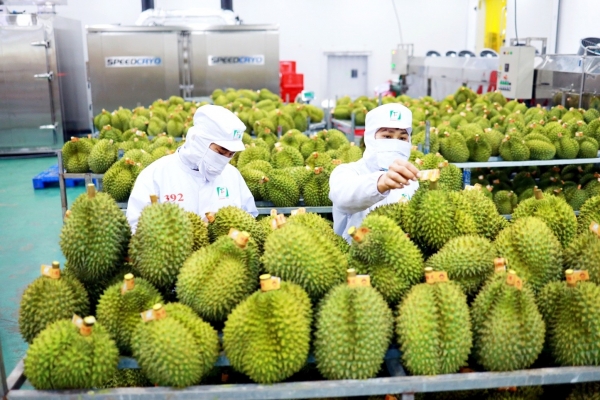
x=353 y=191
x=172 y=181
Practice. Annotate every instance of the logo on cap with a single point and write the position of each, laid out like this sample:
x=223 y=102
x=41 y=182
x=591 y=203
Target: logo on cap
x=395 y=115
x=237 y=134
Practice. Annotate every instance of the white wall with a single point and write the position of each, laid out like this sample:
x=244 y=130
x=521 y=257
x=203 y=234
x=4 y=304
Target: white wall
x=534 y=19
x=578 y=19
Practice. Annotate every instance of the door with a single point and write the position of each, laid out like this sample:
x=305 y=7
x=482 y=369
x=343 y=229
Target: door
x=346 y=76
x=27 y=120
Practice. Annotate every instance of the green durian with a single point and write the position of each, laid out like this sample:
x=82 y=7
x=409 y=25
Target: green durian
x=252 y=153
x=177 y=350
x=318 y=224
x=382 y=250
x=119 y=179
x=508 y=329
x=286 y=156
x=314 y=144
x=554 y=211
x=120 y=307
x=280 y=188
x=217 y=278
x=354 y=327
x=129 y=377
x=75 y=155
x=277 y=319
x=310 y=259
x=47 y=300
x=513 y=148
x=583 y=254
x=102 y=156
x=572 y=316
x=505 y=201
x=434 y=329
x=532 y=250
x=94 y=236
x=61 y=357
x=454 y=147
x=226 y=218
x=316 y=189
x=108 y=132
x=589 y=212
x=162 y=241
x=102 y=119
x=469 y=261
x=487 y=220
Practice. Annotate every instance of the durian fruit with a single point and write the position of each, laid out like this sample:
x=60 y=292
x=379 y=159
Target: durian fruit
x=469 y=261
x=252 y=153
x=120 y=306
x=540 y=149
x=129 y=377
x=286 y=156
x=175 y=347
x=226 y=218
x=554 y=211
x=588 y=146
x=314 y=144
x=49 y=298
x=451 y=177
x=280 y=188
x=217 y=278
x=589 y=212
x=162 y=242
x=75 y=154
x=253 y=177
x=316 y=190
x=532 y=250
x=64 y=356
x=434 y=327
x=316 y=223
x=508 y=329
x=94 y=236
x=436 y=216
x=566 y=146
x=139 y=156
x=108 y=132
x=354 y=327
x=279 y=319
x=479 y=149
x=514 y=148
x=576 y=197
x=515 y=393
x=102 y=119
x=349 y=153
x=102 y=156
x=584 y=252
x=297 y=254
x=572 y=315
x=454 y=147
x=282 y=119
x=506 y=201
x=119 y=179
x=382 y=250
x=315 y=113
x=199 y=231
x=487 y=220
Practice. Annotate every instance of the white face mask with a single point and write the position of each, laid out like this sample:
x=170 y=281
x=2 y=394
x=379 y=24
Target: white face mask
x=386 y=151
x=212 y=164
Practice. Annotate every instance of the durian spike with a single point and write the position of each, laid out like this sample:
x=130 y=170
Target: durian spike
x=153 y=199
x=91 y=190
x=210 y=217
x=55 y=265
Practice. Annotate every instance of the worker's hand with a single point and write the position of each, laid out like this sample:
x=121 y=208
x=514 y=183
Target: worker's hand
x=398 y=175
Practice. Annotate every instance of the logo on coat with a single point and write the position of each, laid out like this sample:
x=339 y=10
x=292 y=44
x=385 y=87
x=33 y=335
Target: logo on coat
x=222 y=192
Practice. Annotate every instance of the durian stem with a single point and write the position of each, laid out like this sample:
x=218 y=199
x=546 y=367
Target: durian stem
x=91 y=190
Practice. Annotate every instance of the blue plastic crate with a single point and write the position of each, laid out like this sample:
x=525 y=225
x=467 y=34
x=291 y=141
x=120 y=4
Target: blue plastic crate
x=49 y=178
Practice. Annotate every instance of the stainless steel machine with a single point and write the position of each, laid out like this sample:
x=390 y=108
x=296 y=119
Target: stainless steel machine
x=43 y=95
x=132 y=66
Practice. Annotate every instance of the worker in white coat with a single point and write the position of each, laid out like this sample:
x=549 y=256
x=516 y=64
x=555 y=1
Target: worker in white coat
x=198 y=176
x=383 y=176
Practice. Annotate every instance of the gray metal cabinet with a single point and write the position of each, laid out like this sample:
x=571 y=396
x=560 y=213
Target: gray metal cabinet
x=131 y=66
x=35 y=96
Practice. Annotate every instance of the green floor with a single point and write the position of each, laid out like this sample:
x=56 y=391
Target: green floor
x=30 y=223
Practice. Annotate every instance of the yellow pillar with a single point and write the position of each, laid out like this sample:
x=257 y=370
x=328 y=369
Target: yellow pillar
x=495 y=24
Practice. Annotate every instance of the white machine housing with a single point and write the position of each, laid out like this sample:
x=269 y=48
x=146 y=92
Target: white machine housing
x=515 y=71
x=400 y=61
